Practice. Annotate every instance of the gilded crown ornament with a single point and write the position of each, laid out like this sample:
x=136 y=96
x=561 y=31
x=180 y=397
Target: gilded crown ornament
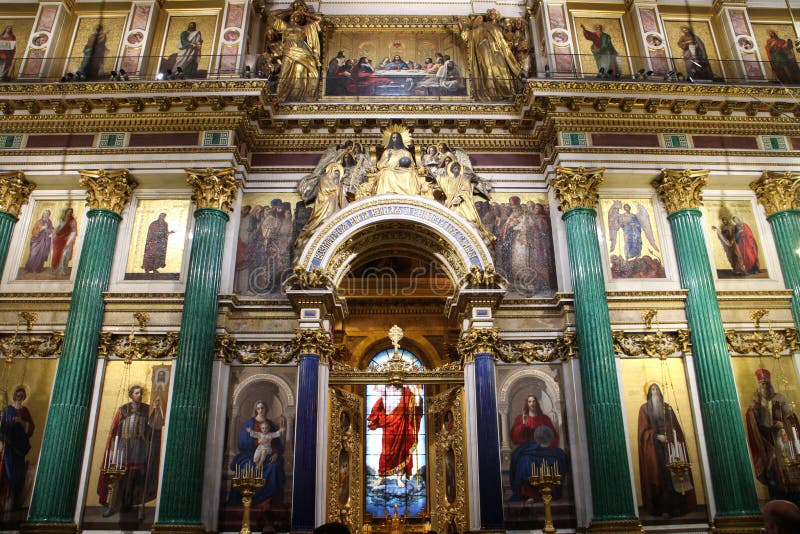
x=680 y=190
x=576 y=188
x=213 y=188
x=14 y=191
x=778 y=191
x=107 y=190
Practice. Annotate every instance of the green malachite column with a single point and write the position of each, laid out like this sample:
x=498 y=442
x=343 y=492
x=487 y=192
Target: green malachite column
x=14 y=192
x=180 y=499
x=779 y=193
x=613 y=504
x=55 y=492
x=729 y=460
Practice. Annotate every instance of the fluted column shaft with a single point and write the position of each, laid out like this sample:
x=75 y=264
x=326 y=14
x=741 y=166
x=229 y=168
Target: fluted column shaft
x=180 y=501
x=779 y=193
x=7 y=222
x=612 y=498
x=55 y=491
x=489 y=474
x=732 y=477
x=786 y=232
x=305 y=455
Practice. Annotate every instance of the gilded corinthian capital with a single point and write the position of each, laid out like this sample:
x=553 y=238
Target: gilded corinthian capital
x=14 y=191
x=778 y=191
x=107 y=190
x=213 y=188
x=680 y=190
x=481 y=341
x=313 y=341
x=576 y=188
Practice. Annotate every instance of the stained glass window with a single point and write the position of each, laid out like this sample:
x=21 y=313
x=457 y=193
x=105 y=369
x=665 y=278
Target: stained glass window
x=395 y=451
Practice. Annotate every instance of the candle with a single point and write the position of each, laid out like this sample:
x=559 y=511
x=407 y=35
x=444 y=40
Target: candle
x=556 y=467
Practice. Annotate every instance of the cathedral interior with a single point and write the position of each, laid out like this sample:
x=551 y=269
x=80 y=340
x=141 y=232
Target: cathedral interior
x=451 y=266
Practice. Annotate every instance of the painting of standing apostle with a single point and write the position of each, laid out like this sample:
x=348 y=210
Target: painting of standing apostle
x=134 y=444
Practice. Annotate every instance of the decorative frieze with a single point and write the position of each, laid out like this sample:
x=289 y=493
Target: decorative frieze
x=131 y=347
x=15 y=346
x=260 y=352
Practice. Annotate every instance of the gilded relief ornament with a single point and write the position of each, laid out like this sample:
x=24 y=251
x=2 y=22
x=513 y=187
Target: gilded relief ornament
x=313 y=279
x=576 y=188
x=15 y=191
x=142 y=347
x=313 y=341
x=487 y=278
x=213 y=188
x=680 y=190
x=30 y=346
x=778 y=191
x=107 y=190
x=262 y=353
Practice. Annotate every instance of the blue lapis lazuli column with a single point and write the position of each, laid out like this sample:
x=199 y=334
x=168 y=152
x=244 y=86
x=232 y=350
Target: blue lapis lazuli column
x=305 y=453
x=491 y=483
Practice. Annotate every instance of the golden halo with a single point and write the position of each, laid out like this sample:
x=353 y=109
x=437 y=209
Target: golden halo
x=23 y=387
x=397 y=128
x=648 y=385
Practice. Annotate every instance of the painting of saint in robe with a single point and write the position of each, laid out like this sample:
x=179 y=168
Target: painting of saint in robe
x=737 y=250
x=155 y=248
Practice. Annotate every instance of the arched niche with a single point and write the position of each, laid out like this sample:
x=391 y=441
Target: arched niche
x=403 y=222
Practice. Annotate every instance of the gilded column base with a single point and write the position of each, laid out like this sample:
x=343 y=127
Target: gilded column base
x=178 y=529
x=620 y=526
x=48 y=528
x=737 y=524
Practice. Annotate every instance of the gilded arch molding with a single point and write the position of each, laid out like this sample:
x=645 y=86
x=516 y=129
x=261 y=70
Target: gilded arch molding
x=396 y=220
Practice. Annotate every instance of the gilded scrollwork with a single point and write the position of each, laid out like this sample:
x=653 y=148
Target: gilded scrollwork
x=16 y=346
x=345 y=458
x=313 y=341
x=531 y=351
x=213 y=188
x=681 y=189
x=263 y=353
x=654 y=344
x=15 y=191
x=764 y=343
x=778 y=191
x=129 y=347
x=107 y=190
x=576 y=188
x=448 y=487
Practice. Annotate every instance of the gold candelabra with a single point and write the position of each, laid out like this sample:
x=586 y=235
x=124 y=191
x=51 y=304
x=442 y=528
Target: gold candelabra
x=247 y=480
x=544 y=478
x=112 y=472
x=680 y=469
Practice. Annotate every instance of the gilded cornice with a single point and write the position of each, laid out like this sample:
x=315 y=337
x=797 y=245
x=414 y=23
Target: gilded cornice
x=342 y=373
x=15 y=191
x=542 y=88
x=213 y=188
x=561 y=348
x=681 y=189
x=107 y=190
x=576 y=188
x=136 y=88
x=132 y=122
x=313 y=341
x=778 y=191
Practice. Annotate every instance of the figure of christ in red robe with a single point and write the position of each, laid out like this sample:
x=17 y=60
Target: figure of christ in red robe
x=398 y=412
